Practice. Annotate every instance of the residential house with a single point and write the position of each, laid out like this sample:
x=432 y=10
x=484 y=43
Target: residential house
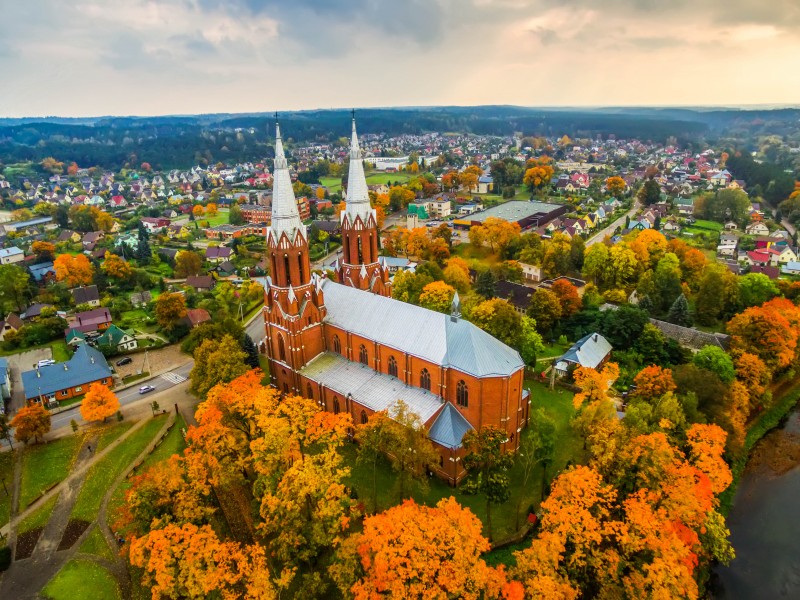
x=485 y=184
x=69 y=236
x=154 y=224
x=518 y=295
x=90 y=240
x=178 y=231
x=791 y=268
x=11 y=255
x=63 y=381
x=225 y=270
x=768 y=270
x=34 y=311
x=11 y=323
x=86 y=295
x=685 y=206
x=531 y=273
x=200 y=283
x=43 y=273
x=395 y=263
x=590 y=351
x=218 y=254
x=195 y=317
x=98 y=319
x=116 y=338
x=757 y=228
x=731 y=226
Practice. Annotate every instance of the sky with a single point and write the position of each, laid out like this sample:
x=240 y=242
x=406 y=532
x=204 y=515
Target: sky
x=152 y=57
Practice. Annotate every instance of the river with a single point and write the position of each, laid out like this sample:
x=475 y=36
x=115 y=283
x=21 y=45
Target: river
x=764 y=521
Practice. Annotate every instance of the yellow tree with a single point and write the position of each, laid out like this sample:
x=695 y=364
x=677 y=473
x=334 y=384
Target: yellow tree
x=538 y=173
x=211 y=209
x=216 y=361
x=593 y=400
x=170 y=308
x=616 y=186
x=198 y=210
x=116 y=267
x=99 y=403
x=437 y=296
x=73 y=271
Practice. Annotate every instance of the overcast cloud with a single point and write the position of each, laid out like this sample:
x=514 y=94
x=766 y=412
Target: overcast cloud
x=101 y=57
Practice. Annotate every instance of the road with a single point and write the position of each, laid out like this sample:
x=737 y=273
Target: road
x=600 y=235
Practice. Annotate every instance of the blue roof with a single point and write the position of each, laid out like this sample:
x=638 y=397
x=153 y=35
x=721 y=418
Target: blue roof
x=449 y=428
x=40 y=270
x=3 y=369
x=12 y=251
x=589 y=351
x=85 y=366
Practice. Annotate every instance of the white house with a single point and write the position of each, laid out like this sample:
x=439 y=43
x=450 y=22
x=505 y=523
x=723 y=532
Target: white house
x=11 y=255
x=757 y=228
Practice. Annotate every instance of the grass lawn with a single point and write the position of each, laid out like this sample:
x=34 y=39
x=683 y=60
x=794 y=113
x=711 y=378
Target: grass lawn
x=95 y=543
x=7 y=475
x=334 y=184
x=102 y=474
x=220 y=218
x=558 y=404
x=137 y=318
x=712 y=225
x=44 y=465
x=469 y=252
x=39 y=517
x=109 y=432
x=553 y=350
x=82 y=580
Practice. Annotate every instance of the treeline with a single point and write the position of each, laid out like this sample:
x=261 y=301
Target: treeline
x=765 y=179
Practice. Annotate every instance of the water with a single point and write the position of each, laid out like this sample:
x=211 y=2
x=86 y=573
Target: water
x=764 y=522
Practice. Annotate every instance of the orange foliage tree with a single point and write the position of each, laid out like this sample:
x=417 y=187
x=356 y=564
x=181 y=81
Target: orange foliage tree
x=769 y=331
x=116 y=267
x=412 y=551
x=198 y=210
x=568 y=297
x=211 y=209
x=99 y=403
x=74 y=271
x=30 y=423
x=653 y=382
x=753 y=373
x=616 y=186
x=538 y=173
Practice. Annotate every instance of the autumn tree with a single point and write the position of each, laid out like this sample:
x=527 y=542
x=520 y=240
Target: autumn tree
x=769 y=331
x=15 y=283
x=755 y=376
x=169 y=309
x=653 y=382
x=538 y=173
x=437 y=296
x=487 y=464
x=216 y=362
x=717 y=295
x=198 y=210
x=568 y=297
x=116 y=267
x=456 y=273
x=188 y=263
x=616 y=186
x=211 y=209
x=593 y=401
x=30 y=423
x=408 y=286
x=99 y=403
x=44 y=251
x=74 y=271
x=498 y=318
x=545 y=307
x=412 y=551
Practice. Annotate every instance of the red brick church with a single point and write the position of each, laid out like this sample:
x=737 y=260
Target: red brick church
x=351 y=347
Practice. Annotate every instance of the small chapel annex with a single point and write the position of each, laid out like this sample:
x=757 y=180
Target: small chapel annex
x=350 y=347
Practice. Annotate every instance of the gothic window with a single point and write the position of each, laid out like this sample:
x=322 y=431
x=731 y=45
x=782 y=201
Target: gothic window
x=363 y=417
x=288 y=270
x=274 y=268
x=335 y=405
x=360 y=252
x=363 y=357
x=309 y=392
x=462 y=394
x=337 y=347
x=300 y=268
x=281 y=348
x=392 y=366
x=371 y=254
x=425 y=380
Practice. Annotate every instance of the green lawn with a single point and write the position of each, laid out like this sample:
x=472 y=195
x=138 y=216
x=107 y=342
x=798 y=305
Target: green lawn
x=7 y=476
x=712 y=225
x=44 y=465
x=95 y=543
x=220 y=218
x=82 y=580
x=39 y=517
x=558 y=404
x=553 y=350
x=334 y=184
x=137 y=318
x=109 y=433
x=103 y=474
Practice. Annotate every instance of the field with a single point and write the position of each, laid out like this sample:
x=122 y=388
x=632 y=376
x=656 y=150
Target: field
x=334 y=184
x=82 y=580
x=44 y=465
x=220 y=218
x=7 y=476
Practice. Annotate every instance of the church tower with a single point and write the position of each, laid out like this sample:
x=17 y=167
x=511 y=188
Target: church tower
x=293 y=305
x=360 y=266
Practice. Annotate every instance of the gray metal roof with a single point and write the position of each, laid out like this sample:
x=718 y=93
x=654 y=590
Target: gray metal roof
x=449 y=428
x=420 y=332
x=589 y=351
x=514 y=210
x=85 y=366
x=369 y=388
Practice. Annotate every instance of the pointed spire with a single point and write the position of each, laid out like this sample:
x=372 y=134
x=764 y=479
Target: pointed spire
x=357 y=192
x=285 y=216
x=455 y=308
x=363 y=272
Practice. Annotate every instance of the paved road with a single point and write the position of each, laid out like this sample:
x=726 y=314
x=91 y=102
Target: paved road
x=600 y=235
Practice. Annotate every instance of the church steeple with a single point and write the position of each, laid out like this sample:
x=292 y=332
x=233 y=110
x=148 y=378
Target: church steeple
x=285 y=216
x=359 y=224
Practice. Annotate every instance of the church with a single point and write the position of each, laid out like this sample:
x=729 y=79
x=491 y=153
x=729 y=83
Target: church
x=350 y=347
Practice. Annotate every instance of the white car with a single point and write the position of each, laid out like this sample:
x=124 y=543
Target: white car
x=46 y=362
x=146 y=388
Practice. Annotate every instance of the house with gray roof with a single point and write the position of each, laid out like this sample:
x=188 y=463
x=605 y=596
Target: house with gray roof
x=591 y=351
x=62 y=381
x=11 y=255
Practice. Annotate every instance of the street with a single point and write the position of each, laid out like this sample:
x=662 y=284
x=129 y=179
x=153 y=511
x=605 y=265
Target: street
x=600 y=235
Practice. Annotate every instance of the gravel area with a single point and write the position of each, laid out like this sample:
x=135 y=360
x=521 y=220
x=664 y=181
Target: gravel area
x=163 y=359
x=23 y=361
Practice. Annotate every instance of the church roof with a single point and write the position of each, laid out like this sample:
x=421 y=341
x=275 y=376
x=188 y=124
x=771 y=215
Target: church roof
x=357 y=201
x=376 y=391
x=285 y=216
x=430 y=335
x=449 y=427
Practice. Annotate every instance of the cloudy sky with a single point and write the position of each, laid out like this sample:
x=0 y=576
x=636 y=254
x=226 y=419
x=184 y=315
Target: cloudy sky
x=145 y=57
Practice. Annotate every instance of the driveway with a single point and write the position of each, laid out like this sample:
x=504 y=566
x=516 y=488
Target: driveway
x=23 y=361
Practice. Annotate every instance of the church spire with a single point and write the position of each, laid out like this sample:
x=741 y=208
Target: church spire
x=285 y=216
x=357 y=192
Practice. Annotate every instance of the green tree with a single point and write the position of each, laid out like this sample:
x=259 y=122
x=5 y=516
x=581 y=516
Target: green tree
x=408 y=286
x=545 y=307
x=217 y=362
x=530 y=342
x=235 y=216
x=716 y=360
x=143 y=251
x=717 y=296
x=487 y=466
x=409 y=448
x=755 y=289
x=679 y=312
x=594 y=263
x=667 y=281
x=650 y=193
x=14 y=288
x=485 y=284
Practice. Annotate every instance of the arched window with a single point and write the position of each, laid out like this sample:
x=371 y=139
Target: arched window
x=335 y=405
x=309 y=392
x=360 y=252
x=363 y=357
x=337 y=347
x=281 y=348
x=274 y=268
x=288 y=270
x=462 y=394
x=363 y=417
x=370 y=253
x=300 y=269
x=425 y=380
x=392 y=366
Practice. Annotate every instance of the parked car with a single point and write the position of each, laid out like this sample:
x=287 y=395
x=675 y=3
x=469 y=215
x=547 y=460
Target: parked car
x=146 y=388
x=124 y=361
x=45 y=362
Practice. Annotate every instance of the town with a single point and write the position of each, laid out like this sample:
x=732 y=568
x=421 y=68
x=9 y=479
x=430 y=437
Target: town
x=489 y=323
